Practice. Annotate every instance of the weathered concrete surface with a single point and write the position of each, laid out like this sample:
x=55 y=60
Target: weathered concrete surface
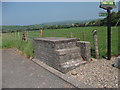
x=85 y=49
x=18 y=72
x=58 y=52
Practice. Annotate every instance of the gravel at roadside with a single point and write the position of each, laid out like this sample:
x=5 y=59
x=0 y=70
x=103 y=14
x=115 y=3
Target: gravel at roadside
x=97 y=73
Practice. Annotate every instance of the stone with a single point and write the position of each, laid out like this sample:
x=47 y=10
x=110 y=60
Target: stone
x=74 y=73
x=117 y=62
x=31 y=58
x=93 y=59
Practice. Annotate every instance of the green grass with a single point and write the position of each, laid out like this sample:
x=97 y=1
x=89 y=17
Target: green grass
x=76 y=32
x=9 y=41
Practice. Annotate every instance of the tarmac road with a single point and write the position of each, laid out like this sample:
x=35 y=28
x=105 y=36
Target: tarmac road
x=19 y=72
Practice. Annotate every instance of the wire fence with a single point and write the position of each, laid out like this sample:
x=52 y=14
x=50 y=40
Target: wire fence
x=84 y=34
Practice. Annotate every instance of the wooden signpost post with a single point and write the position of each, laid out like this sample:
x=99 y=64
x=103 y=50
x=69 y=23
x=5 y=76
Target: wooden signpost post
x=108 y=5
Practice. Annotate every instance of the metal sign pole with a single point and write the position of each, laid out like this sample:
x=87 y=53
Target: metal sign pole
x=108 y=5
x=109 y=34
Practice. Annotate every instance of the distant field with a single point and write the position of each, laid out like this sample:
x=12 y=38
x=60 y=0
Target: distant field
x=79 y=33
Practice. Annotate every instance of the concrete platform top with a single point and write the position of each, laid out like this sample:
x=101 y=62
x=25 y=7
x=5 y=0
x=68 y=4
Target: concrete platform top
x=56 y=39
x=83 y=42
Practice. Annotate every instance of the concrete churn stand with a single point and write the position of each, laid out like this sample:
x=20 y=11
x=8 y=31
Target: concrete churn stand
x=63 y=54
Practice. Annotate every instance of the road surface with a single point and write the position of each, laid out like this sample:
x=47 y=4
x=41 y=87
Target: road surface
x=19 y=72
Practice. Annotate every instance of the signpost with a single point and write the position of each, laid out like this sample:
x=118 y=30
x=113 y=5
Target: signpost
x=108 y=5
x=105 y=4
x=102 y=14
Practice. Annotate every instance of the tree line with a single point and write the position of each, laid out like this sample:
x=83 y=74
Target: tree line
x=115 y=16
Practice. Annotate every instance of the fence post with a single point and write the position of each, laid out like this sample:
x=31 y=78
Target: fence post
x=18 y=35
x=27 y=34
x=41 y=33
x=24 y=38
x=15 y=34
x=96 y=44
x=83 y=35
x=71 y=35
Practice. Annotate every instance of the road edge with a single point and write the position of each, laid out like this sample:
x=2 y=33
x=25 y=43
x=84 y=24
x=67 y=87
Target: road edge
x=64 y=77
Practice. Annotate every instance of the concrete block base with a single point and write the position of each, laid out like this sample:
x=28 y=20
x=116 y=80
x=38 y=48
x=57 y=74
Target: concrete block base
x=60 y=53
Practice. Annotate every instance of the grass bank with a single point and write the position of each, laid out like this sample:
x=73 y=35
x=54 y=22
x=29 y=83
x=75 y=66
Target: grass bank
x=9 y=41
